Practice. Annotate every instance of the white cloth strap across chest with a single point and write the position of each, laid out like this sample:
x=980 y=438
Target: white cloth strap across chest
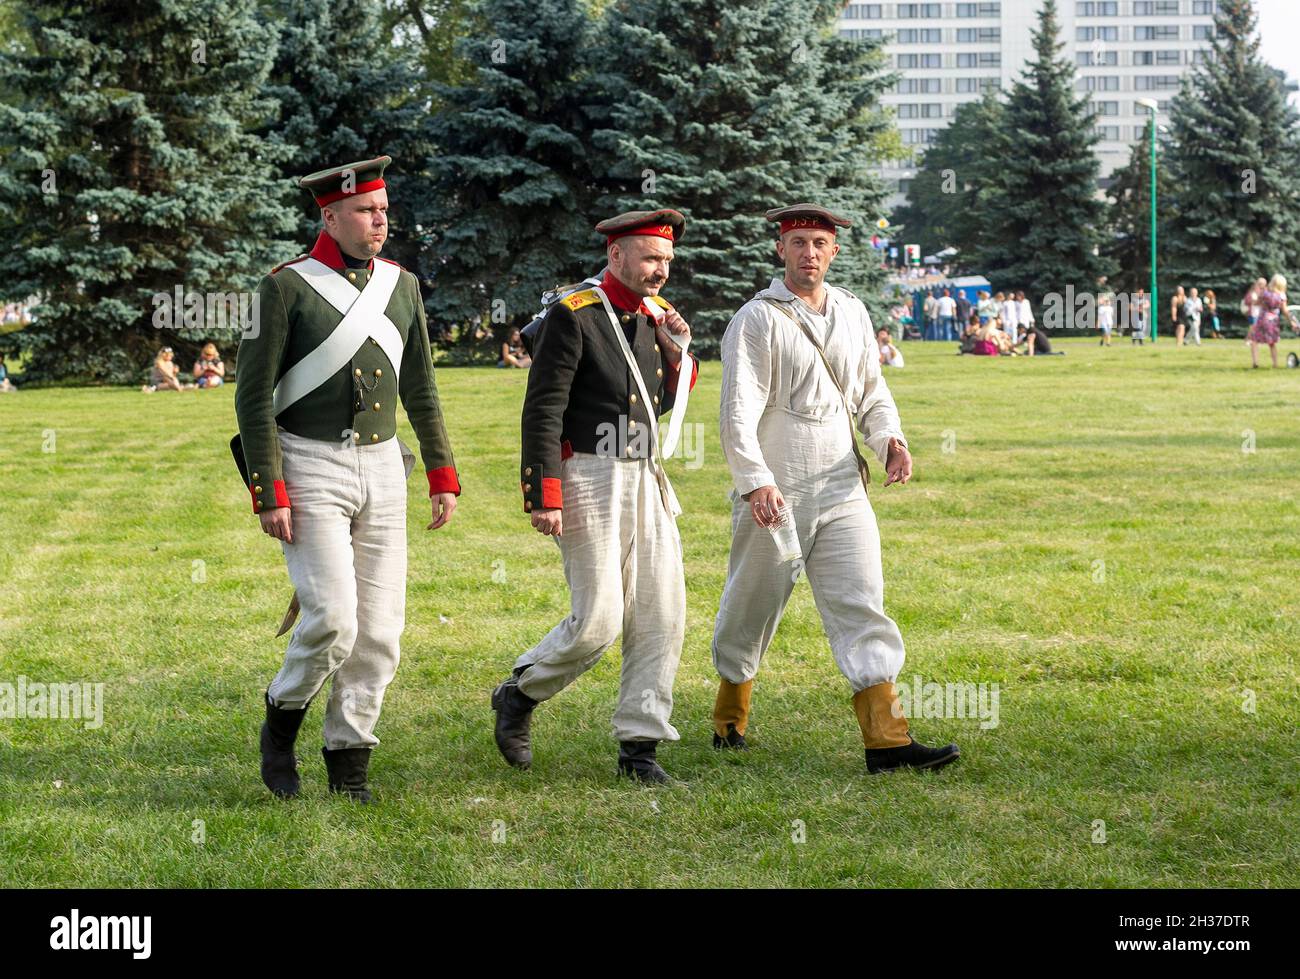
x=363 y=319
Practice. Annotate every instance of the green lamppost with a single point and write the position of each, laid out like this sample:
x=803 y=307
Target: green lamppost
x=1155 y=289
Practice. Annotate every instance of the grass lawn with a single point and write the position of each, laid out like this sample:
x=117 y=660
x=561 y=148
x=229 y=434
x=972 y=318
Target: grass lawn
x=1089 y=532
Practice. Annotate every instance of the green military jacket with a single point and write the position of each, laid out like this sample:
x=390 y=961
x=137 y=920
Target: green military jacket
x=358 y=402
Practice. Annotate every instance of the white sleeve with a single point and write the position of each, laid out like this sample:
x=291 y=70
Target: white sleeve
x=746 y=382
x=877 y=416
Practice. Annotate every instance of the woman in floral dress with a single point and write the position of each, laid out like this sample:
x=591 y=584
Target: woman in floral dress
x=1267 y=329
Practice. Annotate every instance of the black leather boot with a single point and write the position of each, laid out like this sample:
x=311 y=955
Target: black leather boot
x=279 y=763
x=514 y=711
x=732 y=740
x=636 y=760
x=347 y=771
x=912 y=755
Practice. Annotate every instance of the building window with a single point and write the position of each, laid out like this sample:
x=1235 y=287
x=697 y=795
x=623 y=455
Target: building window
x=1106 y=108
x=1156 y=32
x=1201 y=55
x=920 y=110
x=912 y=35
x=863 y=11
x=979 y=35
x=917 y=10
x=1202 y=32
x=860 y=33
x=1155 y=8
x=1105 y=8
x=919 y=86
x=1098 y=83
x=1087 y=59
x=1149 y=83
x=1202 y=7
x=977 y=84
x=1097 y=33
x=984 y=59
x=979 y=10
x=919 y=137
x=1108 y=133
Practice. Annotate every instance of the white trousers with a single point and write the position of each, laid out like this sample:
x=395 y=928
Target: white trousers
x=348 y=563
x=623 y=562
x=817 y=474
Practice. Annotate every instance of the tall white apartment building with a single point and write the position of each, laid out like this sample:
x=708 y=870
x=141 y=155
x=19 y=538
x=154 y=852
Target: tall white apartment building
x=948 y=53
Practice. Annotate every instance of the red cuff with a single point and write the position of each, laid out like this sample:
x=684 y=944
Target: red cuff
x=281 y=496
x=443 y=480
x=552 y=496
x=674 y=374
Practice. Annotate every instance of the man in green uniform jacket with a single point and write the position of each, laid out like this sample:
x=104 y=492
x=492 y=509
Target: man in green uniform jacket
x=340 y=337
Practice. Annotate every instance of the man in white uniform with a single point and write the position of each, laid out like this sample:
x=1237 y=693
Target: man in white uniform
x=788 y=440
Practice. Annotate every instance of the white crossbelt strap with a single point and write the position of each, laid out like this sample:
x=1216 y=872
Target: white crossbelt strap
x=687 y=367
x=665 y=488
x=363 y=318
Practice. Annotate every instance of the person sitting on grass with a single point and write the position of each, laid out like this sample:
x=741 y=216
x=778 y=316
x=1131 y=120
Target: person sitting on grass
x=1035 y=342
x=6 y=385
x=970 y=335
x=890 y=356
x=164 y=374
x=208 y=369
x=513 y=353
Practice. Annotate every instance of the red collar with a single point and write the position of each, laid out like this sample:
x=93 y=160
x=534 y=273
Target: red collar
x=619 y=294
x=326 y=250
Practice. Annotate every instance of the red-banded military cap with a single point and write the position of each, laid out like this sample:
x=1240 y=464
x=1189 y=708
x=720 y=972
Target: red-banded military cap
x=807 y=216
x=663 y=223
x=336 y=183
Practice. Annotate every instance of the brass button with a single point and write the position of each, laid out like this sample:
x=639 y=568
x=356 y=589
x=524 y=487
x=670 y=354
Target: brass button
x=627 y=318
x=378 y=372
x=376 y=408
x=656 y=348
x=257 y=505
x=632 y=398
x=528 y=505
x=375 y=437
x=256 y=476
x=352 y=277
x=528 y=487
x=659 y=372
x=656 y=399
x=257 y=489
x=374 y=341
x=629 y=450
x=631 y=424
x=528 y=471
x=357 y=372
x=356 y=436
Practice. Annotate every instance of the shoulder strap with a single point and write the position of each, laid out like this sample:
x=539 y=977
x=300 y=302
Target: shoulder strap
x=863 y=468
x=579 y=300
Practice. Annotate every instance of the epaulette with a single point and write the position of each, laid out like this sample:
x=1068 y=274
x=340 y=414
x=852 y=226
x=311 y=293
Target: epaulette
x=660 y=301
x=391 y=262
x=580 y=299
x=290 y=262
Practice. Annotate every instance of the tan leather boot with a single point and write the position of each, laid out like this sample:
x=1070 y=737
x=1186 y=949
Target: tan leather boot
x=731 y=714
x=885 y=734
